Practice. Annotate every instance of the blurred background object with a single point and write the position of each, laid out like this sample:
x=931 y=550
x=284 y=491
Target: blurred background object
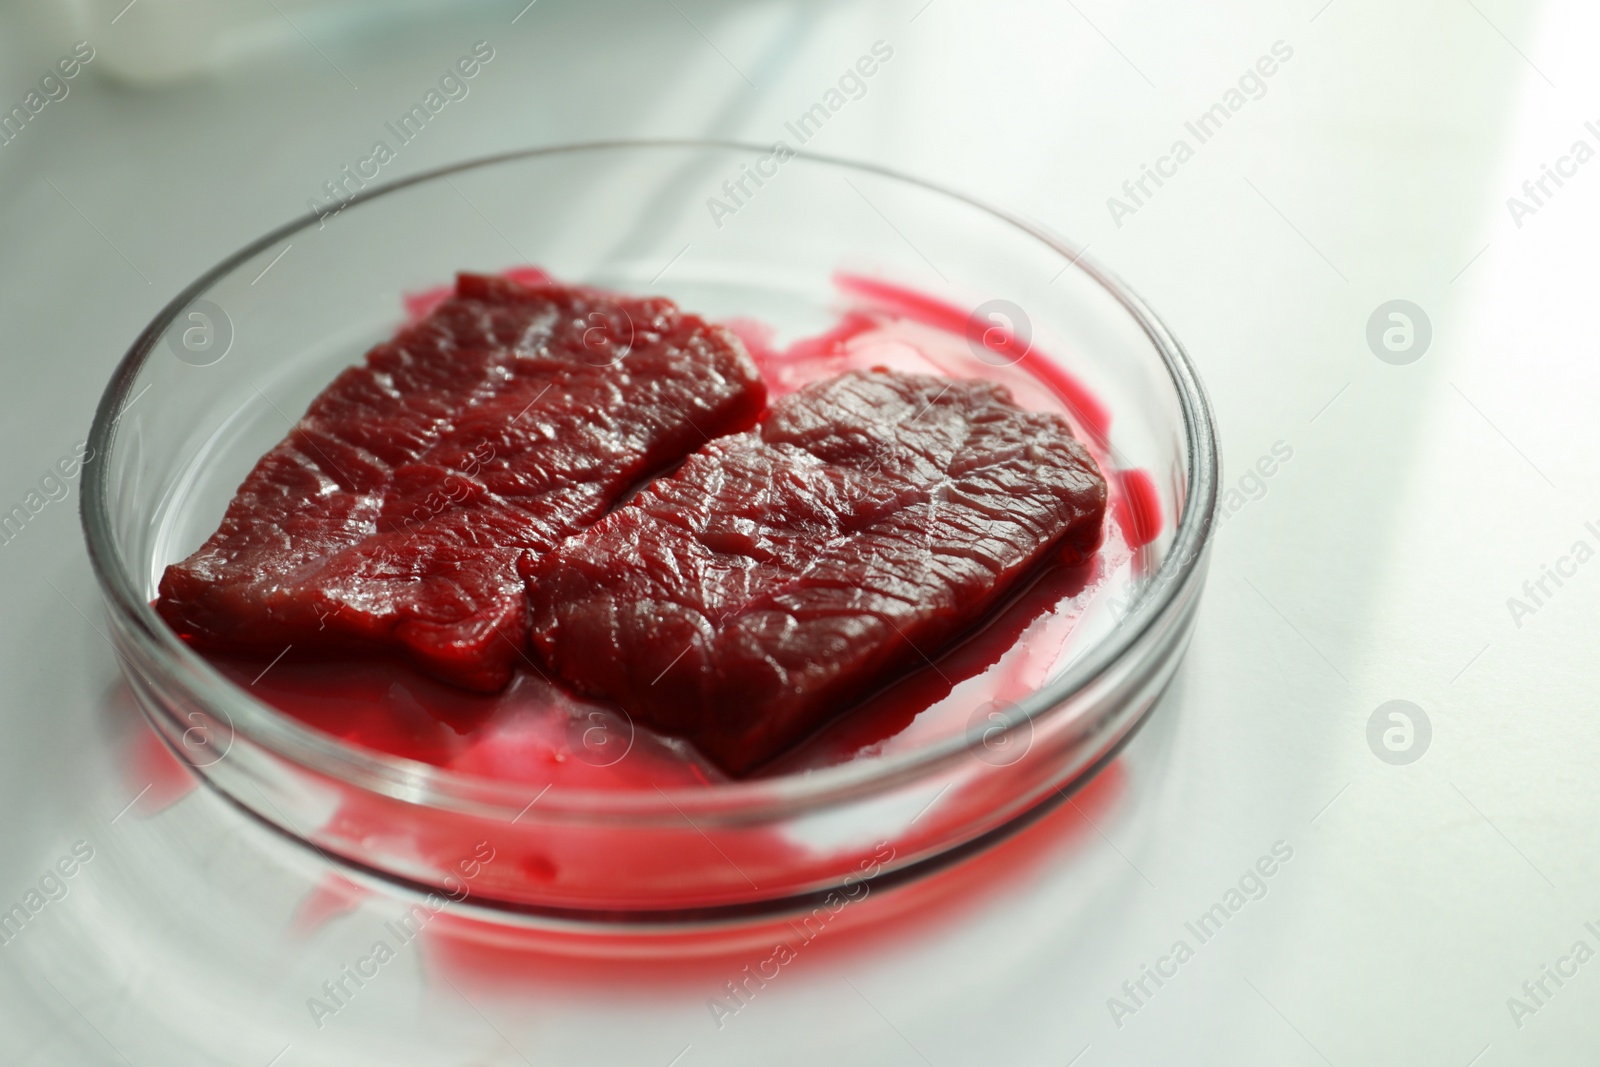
x=163 y=41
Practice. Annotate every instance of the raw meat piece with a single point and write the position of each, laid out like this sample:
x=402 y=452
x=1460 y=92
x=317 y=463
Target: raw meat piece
x=781 y=575
x=395 y=511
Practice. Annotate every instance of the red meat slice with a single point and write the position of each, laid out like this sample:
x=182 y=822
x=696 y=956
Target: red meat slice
x=781 y=575
x=395 y=511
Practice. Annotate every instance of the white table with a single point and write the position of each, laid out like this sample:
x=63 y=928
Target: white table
x=1375 y=565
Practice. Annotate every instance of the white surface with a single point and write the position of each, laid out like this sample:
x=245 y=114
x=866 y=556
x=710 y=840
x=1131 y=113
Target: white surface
x=1376 y=567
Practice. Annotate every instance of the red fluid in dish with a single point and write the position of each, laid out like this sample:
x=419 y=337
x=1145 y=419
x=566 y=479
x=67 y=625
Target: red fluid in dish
x=332 y=897
x=885 y=332
x=1091 y=415
x=990 y=666
x=1137 y=506
x=488 y=956
x=156 y=777
x=532 y=732
x=758 y=338
x=537 y=735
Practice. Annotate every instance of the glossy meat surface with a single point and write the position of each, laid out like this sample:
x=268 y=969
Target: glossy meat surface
x=781 y=575
x=395 y=512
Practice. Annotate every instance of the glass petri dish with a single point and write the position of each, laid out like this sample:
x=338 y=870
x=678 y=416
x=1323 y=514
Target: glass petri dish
x=734 y=232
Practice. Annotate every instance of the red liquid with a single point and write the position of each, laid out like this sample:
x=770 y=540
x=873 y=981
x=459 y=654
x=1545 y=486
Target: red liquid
x=1136 y=506
x=1087 y=411
x=487 y=956
x=538 y=735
